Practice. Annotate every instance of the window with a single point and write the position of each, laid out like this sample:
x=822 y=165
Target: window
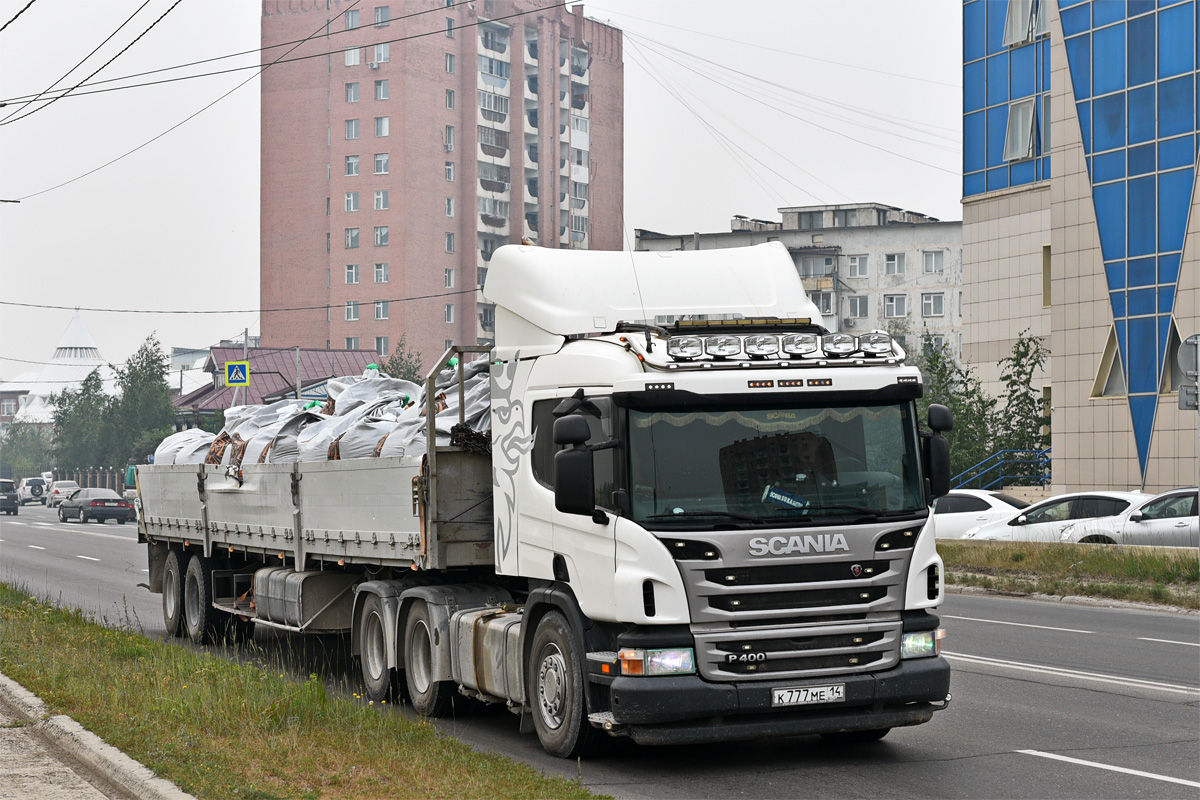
x=382 y=15
x=491 y=207
x=352 y=201
x=1019 y=140
x=381 y=235
x=448 y=138
x=1110 y=377
x=579 y=224
x=544 y=448
x=352 y=92
x=579 y=191
x=450 y=171
x=351 y=238
x=490 y=101
x=381 y=345
x=449 y=312
x=808 y=220
x=450 y=63
x=381 y=273
x=351 y=342
x=816 y=266
x=579 y=157
x=1172 y=506
x=1045 y=276
x=487 y=248
x=894 y=264
x=934 y=261
x=492 y=137
x=382 y=126
x=449 y=279
x=383 y=53
x=351 y=165
x=352 y=273
x=895 y=305
x=933 y=343
x=381 y=199
x=381 y=309
x=858 y=306
x=823 y=301
x=1018 y=24
x=449 y=206
x=351 y=310
x=352 y=56
x=449 y=28
x=449 y=242
x=449 y=98
x=351 y=19
x=381 y=163
x=351 y=129
x=579 y=124
x=493 y=66
x=381 y=90
x=933 y=304
x=8 y=407
x=482 y=274
x=858 y=266
x=840 y=219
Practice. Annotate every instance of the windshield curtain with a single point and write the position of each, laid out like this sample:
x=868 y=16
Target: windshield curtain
x=788 y=463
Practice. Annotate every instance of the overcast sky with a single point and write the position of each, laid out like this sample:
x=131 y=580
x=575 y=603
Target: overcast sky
x=777 y=103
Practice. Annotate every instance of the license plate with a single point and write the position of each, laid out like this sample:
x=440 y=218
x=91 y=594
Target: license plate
x=808 y=695
x=110 y=504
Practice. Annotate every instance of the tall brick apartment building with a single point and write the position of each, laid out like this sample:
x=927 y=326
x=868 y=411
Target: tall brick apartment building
x=422 y=136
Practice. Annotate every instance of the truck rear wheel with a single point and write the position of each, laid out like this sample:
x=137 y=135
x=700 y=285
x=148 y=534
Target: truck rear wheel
x=172 y=594
x=199 y=617
x=373 y=655
x=556 y=691
x=429 y=697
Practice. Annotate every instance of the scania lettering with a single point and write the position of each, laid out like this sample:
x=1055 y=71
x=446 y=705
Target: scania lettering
x=780 y=545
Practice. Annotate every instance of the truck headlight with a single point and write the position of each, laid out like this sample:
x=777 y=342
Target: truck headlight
x=838 y=344
x=723 y=345
x=760 y=345
x=922 y=644
x=875 y=343
x=674 y=661
x=685 y=347
x=800 y=344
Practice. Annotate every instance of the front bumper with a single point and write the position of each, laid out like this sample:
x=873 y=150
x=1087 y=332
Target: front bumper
x=688 y=709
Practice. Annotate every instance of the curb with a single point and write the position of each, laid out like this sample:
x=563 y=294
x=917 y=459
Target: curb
x=1072 y=600
x=128 y=775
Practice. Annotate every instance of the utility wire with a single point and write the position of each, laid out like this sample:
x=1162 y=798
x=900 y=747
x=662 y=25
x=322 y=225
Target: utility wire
x=19 y=13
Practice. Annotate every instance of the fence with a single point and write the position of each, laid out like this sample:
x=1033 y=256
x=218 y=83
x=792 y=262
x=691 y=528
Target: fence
x=94 y=477
x=1020 y=467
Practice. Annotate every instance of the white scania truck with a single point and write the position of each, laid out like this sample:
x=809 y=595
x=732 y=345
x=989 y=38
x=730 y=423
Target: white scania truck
x=703 y=517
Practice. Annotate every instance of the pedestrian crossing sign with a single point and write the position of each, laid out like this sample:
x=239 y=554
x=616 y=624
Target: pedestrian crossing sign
x=237 y=373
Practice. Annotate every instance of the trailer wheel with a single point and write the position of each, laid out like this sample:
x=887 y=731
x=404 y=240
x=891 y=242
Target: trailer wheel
x=172 y=592
x=556 y=691
x=429 y=698
x=199 y=617
x=853 y=737
x=373 y=655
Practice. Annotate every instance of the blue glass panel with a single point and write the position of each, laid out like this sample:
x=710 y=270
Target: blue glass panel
x=1141 y=272
x=997 y=179
x=974 y=86
x=997 y=127
x=1118 y=303
x=1084 y=110
x=1168 y=268
x=1024 y=172
x=1143 y=354
x=996 y=12
x=1174 y=197
x=1166 y=299
x=1115 y=271
x=1142 y=410
x=1165 y=3
x=1141 y=159
x=1109 y=118
x=1141 y=302
x=1068 y=3
x=997 y=79
x=1108 y=57
x=1076 y=20
x=974 y=142
x=1141 y=114
x=1045 y=168
x=1022 y=71
x=1044 y=60
x=1110 y=218
x=1108 y=167
x=974 y=31
x=1141 y=50
x=1140 y=7
x=1175 y=153
x=1141 y=218
x=973 y=184
x=1107 y=11
x=1175 y=113
x=1079 y=59
x=1176 y=41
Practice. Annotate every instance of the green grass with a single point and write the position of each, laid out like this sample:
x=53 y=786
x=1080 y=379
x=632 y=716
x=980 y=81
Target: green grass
x=1166 y=576
x=223 y=729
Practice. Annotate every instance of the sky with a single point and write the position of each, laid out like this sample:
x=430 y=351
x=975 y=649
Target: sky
x=729 y=109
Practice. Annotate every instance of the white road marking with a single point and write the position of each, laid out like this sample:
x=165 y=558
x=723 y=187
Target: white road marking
x=1072 y=673
x=1017 y=624
x=1168 y=641
x=1110 y=767
x=88 y=558
x=35 y=547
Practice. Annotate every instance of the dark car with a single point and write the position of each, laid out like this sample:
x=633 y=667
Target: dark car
x=97 y=504
x=8 y=497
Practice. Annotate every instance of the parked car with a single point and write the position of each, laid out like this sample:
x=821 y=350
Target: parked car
x=1168 y=520
x=97 y=504
x=58 y=492
x=1044 y=521
x=955 y=513
x=31 y=490
x=8 y=497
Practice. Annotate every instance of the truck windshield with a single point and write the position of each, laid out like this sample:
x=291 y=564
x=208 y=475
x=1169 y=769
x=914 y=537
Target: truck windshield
x=788 y=465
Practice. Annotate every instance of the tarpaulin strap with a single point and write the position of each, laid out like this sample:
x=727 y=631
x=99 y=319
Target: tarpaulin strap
x=335 y=450
x=216 y=450
x=239 y=450
x=379 y=445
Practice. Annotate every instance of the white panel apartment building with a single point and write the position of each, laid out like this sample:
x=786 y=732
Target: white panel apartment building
x=866 y=266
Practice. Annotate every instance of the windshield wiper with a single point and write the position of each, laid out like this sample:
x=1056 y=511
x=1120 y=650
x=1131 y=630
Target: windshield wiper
x=874 y=512
x=711 y=513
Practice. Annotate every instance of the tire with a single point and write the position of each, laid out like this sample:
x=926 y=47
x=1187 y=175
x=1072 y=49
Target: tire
x=373 y=653
x=856 y=737
x=62 y=516
x=199 y=617
x=556 y=691
x=172 y=594
x=429 y=698
x=121 y=521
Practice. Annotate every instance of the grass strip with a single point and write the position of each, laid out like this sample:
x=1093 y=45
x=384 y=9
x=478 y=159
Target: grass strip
x=221 y=729
x=1166 y=576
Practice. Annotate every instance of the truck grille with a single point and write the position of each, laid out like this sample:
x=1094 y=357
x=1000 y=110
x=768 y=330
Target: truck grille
x=785 y=654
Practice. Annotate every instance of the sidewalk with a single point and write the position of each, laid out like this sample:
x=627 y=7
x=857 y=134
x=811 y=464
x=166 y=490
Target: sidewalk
x=55 y=758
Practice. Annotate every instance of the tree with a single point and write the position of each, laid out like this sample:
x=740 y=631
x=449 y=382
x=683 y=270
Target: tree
x=403 y=363
x=79 y=438
x=25 y=448
x=1024 y=423
x=959 y=388
x=141 y=415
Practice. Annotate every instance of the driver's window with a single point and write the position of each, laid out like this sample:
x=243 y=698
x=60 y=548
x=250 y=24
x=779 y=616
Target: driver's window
x=1055 y=512
x=1169 y=507
x=544 y=447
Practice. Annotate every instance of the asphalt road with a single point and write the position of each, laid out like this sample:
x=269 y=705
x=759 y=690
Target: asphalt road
x=1050 y=700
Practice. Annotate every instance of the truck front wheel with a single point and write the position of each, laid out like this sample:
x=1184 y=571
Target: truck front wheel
x=173 y=592
x=556 y=691
x=429 y=697
x=376 y=674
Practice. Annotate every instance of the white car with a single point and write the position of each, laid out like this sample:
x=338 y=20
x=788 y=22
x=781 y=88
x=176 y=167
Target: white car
x=1166 y=520
x=58 y=492
x=1044 y=521
x=963 y=509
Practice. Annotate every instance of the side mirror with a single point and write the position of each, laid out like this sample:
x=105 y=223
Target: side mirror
x=574 y=482
x=1137 y=516
x=571 y=429
x=937 y=464
x=940 y=418
x=1021 y=520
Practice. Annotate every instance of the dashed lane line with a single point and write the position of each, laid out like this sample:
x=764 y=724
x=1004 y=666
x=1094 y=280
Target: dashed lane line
x=87 y=558
x=1017 y=624
x=1167 y=641
x=1060 y=672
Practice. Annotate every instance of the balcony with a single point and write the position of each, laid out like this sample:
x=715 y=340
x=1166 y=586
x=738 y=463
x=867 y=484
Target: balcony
x=531 y=222
x=532 y=82
x=531 y=187
x=533 y=153
x=532 y=116
x=531 y=47
x=495 y=43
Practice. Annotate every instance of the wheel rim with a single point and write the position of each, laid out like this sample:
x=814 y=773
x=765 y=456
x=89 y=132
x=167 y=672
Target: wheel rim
x=373 y=647
x=191 y=601
x=170 y=590
x=552 y=686
x=420 y=658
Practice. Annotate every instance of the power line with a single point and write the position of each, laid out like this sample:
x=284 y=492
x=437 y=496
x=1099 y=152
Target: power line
x=19 y=13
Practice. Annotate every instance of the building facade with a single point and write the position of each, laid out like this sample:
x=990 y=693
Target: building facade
x=402 y=143
x=866 y=266
x=1079 y=161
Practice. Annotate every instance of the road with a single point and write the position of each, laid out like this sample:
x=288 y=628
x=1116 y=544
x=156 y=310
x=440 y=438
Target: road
x=1050 y=700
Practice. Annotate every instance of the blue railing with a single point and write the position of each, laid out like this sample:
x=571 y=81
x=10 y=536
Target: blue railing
x=1028 y=467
